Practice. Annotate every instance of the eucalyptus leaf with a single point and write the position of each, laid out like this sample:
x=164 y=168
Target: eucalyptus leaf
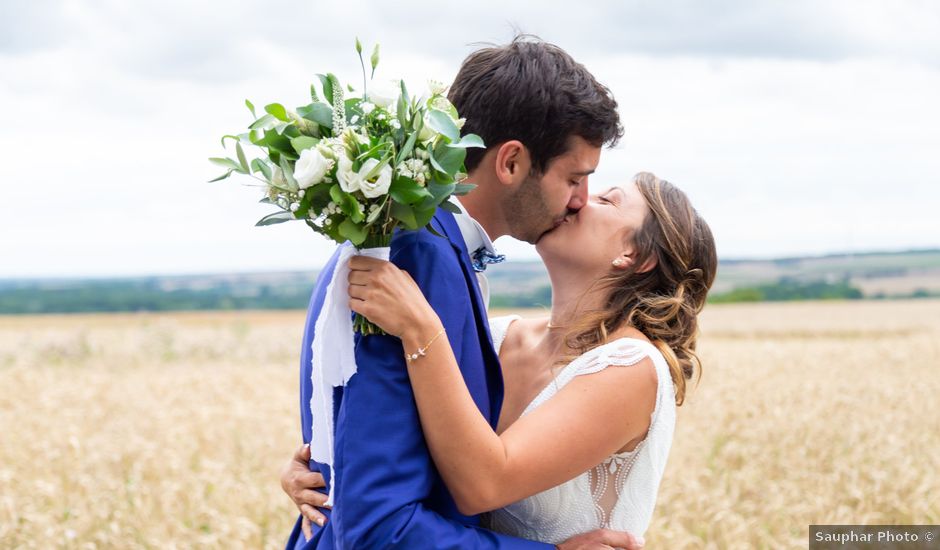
x=229 y=136
x=469 y=140
x=336 y=193
x=407 y=191
x=321 y=113
x=440 y=122
x=347 y=203
x=303 y=142
x=242 y=161
x=275 y=218
x=407 y=148
x=222 y=177
x=264 y=122
x=423 y=217
x=277 y=111
x=226 y=163
x=448 y=160
x=327 y=87
x=464 y=188
x=433 y=231
x=263 y=167
x=374 y=215
x=405 y=214
x=450 y=207
x=439 y=193
x=277 y=142
x=289 y=175
x=354 y=232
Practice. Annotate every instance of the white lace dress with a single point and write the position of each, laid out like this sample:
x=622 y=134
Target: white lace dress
x=620 y=493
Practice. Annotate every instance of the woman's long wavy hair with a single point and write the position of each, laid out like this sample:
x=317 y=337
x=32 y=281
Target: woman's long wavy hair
x=664 y=302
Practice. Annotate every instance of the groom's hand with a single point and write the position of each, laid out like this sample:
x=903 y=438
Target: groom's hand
x=299 y=482
x=605 y=539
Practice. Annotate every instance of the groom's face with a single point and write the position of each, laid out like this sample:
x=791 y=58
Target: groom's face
x=543 y=200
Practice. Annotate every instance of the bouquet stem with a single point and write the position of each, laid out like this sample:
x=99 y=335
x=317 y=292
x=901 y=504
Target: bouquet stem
x=361 y=324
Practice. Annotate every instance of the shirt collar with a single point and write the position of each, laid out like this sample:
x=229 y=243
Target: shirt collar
x=472 y=232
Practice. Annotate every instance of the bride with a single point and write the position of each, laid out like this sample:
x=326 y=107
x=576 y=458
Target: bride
x=590 y=392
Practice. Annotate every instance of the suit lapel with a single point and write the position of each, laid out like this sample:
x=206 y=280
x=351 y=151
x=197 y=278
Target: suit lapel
x=447 y=226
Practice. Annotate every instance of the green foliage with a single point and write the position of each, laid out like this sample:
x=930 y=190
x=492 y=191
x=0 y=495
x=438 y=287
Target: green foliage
x=414 y=171
x=541 y=297
x=786 y=290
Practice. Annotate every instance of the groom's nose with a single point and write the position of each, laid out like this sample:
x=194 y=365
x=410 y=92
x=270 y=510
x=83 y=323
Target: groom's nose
x=579 y=197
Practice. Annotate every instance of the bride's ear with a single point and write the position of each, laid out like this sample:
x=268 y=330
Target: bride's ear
x=627 y=259
x=512 y=162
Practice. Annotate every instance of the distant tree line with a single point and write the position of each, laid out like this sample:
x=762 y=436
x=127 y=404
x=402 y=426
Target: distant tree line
x=135 y=296
x=786 y=290
x=150 y=295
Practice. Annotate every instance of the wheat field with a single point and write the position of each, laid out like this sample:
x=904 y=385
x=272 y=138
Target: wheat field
x=168 y=430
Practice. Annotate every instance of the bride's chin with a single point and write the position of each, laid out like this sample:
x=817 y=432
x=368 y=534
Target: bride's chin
x=550 y=246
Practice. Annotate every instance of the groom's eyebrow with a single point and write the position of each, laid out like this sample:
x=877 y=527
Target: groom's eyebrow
x=583 y=172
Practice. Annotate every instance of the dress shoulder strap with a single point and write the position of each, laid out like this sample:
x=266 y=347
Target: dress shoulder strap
x=499 y=327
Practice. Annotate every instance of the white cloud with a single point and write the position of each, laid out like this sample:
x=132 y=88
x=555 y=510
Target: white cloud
x=796 y=127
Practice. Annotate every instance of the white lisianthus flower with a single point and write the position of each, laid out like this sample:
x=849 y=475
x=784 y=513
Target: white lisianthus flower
x=311 y=167
x=380 y=184
x=382 y=95
x=427 y=133
x=441 y=103
x=436 y=87
x=349 y=180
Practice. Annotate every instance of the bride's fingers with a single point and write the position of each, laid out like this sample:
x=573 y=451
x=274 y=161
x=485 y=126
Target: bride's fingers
x=310 y=513
x=313 y=498
x=312 y=480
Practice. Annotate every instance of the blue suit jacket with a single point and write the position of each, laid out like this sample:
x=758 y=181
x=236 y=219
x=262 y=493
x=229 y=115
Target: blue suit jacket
x=389 y=492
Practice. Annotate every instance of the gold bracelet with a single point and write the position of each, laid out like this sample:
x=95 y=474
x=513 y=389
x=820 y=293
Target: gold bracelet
x=423 y=351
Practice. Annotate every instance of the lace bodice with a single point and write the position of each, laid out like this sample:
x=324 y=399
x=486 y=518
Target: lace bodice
x=620 y=493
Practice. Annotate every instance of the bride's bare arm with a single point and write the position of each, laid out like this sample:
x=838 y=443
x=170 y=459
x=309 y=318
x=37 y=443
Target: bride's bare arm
x=589 y=419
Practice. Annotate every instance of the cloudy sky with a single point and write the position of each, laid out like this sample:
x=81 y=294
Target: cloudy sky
x=797 y=127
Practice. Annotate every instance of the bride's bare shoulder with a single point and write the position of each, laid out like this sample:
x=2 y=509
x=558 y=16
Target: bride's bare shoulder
x=523 y=332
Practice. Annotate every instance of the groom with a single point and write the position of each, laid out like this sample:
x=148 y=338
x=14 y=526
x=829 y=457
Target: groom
x=544 y=119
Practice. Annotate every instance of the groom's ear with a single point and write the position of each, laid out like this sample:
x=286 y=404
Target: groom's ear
x=512 y=162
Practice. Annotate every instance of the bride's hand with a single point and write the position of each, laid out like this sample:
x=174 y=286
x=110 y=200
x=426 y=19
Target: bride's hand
x=389 y=297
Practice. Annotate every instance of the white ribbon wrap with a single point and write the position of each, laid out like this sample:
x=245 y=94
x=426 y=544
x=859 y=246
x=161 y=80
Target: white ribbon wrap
x=334 y=357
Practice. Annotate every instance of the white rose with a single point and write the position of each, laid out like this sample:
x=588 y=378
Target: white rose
x=383 y=180
x=311 y=167
x=382 y=95
x=349 y=180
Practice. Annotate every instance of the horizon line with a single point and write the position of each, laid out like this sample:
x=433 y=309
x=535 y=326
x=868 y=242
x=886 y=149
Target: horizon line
x=737 y=260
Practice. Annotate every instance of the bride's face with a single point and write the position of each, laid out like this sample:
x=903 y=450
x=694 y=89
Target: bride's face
x=599 y=233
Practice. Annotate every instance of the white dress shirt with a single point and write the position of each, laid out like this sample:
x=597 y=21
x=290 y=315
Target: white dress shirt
x=475 y=237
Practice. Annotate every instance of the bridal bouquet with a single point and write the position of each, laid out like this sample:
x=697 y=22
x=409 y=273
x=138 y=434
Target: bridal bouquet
x=354 y=167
